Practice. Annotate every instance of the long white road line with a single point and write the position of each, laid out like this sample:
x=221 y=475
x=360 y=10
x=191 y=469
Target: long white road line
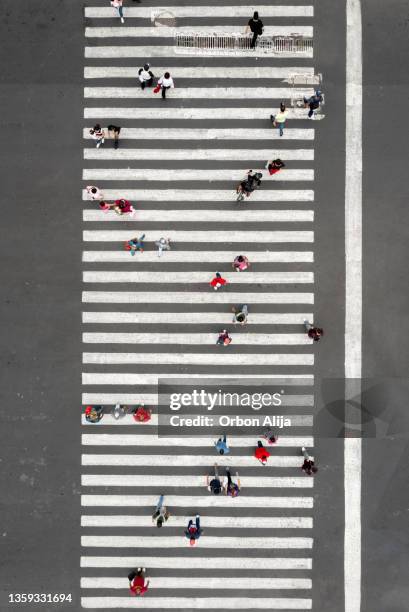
x=201 y=236
x=196 y=501
x=213 y=522
x=163 y=51
x=200 y=72
x=198 y=603
x=153 y=398
x=198 y=93
x=191 y=482
x=228 y=358
x=185 y=582
x=165 y=32
x=200 y=154
x=153 y=440
x=200 y=214
x=202 y=562
x=205 y=258
x=191 y=318
x=210 y=134
x=163 y=541
x=183 y=113
x=130 y=378
x=195 y=339
x=109 y=276
x=267 y=194
x=145 y=12
x=186 y=174
x=185 y=297
x=235 y=462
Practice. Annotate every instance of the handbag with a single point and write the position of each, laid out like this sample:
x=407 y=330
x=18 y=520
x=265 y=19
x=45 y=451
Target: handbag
x=157 y=89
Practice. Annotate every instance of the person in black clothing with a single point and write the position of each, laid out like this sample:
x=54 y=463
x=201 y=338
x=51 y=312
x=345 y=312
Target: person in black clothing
x=255 y=25
x=315 y=333
x=308 y=466
x=113 y=131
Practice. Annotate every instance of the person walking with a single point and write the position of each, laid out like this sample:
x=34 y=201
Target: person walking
x=142 y=414
x=240 y=263
x=194 y=530
x=261 y=454
x=240 y=314
x=137 y=584
x=98 y=135
x=224 y=338
x=94 y=193
x=123 y=207
x=313 y=103
x=93 y=414
x=161 y=513
x=135 y=244
x=270 y=437
x=145 y=76
x=315 y=333
x=165 y=82
x=274 y=166
x=214 y=485
x=113 y=132
x=163 y=244
x=255 y=25
x=308 y=466
x=117 y=4
x=218 y=281
x=280 y=118
x=119 y=411
x=229 y=487
x=221 y=446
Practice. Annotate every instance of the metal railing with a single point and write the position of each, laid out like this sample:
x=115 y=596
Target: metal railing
x=220 y=44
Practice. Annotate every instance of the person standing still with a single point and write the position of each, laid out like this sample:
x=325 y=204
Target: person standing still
x=166 y=82
x=255 y=25
x=117 y=4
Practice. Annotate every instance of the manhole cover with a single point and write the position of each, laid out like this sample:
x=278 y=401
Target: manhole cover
x=163 y=18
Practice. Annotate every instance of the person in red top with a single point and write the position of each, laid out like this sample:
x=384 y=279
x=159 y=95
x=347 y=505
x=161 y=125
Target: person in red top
x=313 y=332
x=261 y=453
x=218 y=281
x=274 y=166
x=123 y=206
x=141 y=414
x=137 y=584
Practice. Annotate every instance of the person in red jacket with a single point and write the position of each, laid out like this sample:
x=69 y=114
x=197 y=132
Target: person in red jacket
x=261 y=453
x=123 y=206
x=137 y=584
x=218 y=281
x=141 y=414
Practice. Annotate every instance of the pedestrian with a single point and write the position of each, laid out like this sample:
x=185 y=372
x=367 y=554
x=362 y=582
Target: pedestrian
x=274 y=166
x=193 y=531
x=229 y=487
x=142 y=414
x=161 y=513
x=93 y=414
x=308 y=466
x=224 y=338
x=163 y=244
x=315 y=333
x=280 y=118
x=113 y=132
x=122 y=207
x=137 y=584
x=94 y=193
x=135 y=244
x=218 y=281
x=255 y=25
x=221 y=446
x=240 y=263
x=119 y=411
x=270 y=437
x=105 y=206
x=98 y=135
x=165 y=82
x=145 y=76
x=261 y=453
x=117 y=4
x=313 y=103
x=240 y=314
x=214 y=485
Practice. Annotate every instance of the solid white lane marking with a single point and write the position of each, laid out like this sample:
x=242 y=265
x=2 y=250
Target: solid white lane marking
x=202 y=93
x=227 y=358
x=119 y=378
x=151 y=480
x=203 y=562
x=185 y=297
x=186 y=174
x=209 y=134
x=197 y=603
x=191 y=460
x=215 y=522
x=165 y=32
x=278 y=216
x=152 y=398
x=197 y=339
x=353 y=302
x=188 y=501
x=272 y=318
x=184 y=582
x=166 y=51
x=113 y=276
x=207 y=542
x=153 y=440
x=207 y=259
x=200 y=154
x=202 y=236
x=200 y=72
x=267 y=194
x=142 y=12
x=160 y=112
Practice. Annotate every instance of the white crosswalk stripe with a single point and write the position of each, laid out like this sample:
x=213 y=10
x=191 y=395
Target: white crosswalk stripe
x=172 y=153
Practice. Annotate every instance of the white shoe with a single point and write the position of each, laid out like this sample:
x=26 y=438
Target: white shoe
x=98 y=145
x=303 y=449
x=266 y=166
x=122 y=20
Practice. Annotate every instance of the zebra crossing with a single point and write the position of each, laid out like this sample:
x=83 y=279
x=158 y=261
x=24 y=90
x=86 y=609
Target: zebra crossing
x=148 y=319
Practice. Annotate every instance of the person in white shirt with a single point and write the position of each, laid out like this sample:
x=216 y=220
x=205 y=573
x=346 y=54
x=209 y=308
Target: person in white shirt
x=94 y=193
x=166 y=82
x=145 y=76
x=118 y=5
